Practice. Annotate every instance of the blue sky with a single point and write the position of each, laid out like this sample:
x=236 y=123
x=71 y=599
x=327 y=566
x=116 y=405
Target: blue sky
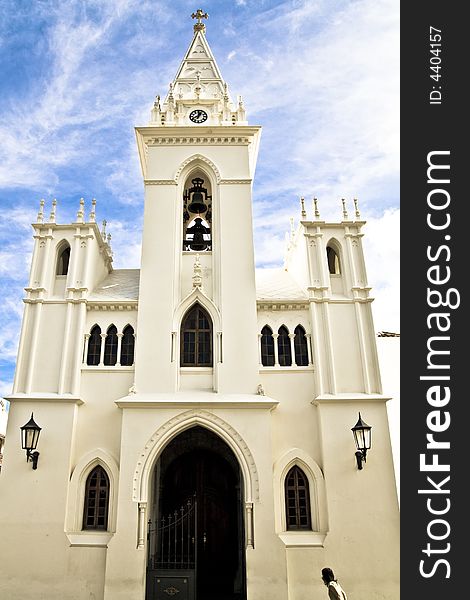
x=321 y=77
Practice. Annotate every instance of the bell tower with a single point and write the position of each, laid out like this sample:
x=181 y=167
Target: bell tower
x=197 y=300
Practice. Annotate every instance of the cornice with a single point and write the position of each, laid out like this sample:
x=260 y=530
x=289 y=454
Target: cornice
x=169 y=139
x=45 y=397
x=114 y=305
x=236 y=181
x=196 y=131
x=282 y=304
x=174 y=182
x=160 y=182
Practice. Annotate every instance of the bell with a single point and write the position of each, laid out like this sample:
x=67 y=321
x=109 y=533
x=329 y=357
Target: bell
x=197 y=204
x=198 y=243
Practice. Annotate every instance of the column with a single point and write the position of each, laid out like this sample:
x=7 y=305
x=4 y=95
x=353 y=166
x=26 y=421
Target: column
x=249 y=525
x=308 y=337
x=103 y=341
x=141 y=524
x=276 y=350
x=118 y=359
x=292 y=348
x=85 y=348
x=260 y=357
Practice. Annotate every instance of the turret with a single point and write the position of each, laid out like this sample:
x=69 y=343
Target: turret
x=68 y=261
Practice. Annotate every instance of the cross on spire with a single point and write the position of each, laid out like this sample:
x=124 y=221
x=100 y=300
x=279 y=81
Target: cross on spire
x=199 y=15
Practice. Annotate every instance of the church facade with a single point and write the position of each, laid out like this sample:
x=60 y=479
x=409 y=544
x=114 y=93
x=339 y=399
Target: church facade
x=196 y=414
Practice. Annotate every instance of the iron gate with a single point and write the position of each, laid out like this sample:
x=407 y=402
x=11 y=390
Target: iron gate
x=172 y=554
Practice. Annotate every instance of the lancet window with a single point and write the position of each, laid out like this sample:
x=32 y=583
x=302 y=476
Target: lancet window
x=267 y=347
x=332 y=257
x=63 y=259
x=297 y=500
x=127 y=346
x=197 y=216
x=95 y=512
x=300 y=347
x=196 y=338
x=284 y=347
x=111 y=346
x=94 y=346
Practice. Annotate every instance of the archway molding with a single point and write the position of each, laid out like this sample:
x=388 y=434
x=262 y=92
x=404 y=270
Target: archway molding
x=197 y=160
x=169 y=430
x=76 y=492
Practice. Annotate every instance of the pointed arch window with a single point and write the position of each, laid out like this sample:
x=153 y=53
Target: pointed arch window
x=267 y=347
x=127 y=346
x=110 y=346
x=297 y=500
x=95 y=512
x=63 y=259
x=334 y=265
x=300 y=347
x=196 y=338
x=94 y=346
x=284 y=347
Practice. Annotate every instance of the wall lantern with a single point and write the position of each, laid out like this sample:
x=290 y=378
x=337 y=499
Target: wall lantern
x=361 y=432
x=29 y=440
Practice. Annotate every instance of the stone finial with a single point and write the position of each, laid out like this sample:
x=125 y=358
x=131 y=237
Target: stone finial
x=156 y=104
x=108 y=238
x=197 y=273
x=53 y=209
x=103 y=229
x=316 y=212
x=40 y=217
x=356 y=209
x=302 y=208
x=81 y=211
x=345 y=212
x=92 y=216
x=199 y=15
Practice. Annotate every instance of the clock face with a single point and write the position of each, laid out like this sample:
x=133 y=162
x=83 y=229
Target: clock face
x=198 y=116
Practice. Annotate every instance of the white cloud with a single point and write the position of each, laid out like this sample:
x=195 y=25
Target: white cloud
x=382 y=254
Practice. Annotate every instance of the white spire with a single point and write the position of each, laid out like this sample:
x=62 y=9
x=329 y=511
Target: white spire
x=198 y=85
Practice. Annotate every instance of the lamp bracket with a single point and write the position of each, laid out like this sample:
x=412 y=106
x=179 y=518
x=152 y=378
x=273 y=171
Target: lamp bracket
x=360 y=457
x=33 y=457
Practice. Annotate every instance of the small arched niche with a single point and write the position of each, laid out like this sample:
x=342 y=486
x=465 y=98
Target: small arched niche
x=63 y=258
x=335 y=267
x=197 y=212
x=61 y=268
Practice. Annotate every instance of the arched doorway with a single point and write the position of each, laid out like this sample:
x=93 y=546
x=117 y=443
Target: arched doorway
x=197 y=541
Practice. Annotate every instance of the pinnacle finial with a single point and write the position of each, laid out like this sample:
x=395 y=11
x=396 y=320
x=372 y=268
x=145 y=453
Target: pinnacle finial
x=315 y=208
x=103 y=229
x=345 y=212
x=92 y=216
x=53 y=209
x=302 y=208
x=81 y=211
x=40 y=217
x=199 y=15
x=356 y=207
